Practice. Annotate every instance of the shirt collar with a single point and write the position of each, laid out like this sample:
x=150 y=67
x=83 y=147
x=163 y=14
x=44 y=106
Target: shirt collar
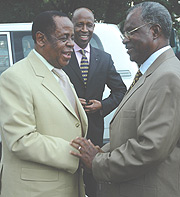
x=77 y=48
x=47 y=64
x=152 y=58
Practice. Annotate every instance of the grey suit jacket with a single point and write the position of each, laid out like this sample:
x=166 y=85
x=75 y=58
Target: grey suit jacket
x=143 y=156
x=37 y=123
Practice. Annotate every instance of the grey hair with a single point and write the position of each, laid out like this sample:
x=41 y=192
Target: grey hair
x=155 y=13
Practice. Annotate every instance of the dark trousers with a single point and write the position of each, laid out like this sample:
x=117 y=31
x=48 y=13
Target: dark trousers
x=91 y=185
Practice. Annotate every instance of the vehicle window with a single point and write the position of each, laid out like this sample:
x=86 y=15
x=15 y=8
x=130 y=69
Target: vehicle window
x=96 y=42
x=27 y=44
x=174 y=41
x=4 y=56
x=22 y=44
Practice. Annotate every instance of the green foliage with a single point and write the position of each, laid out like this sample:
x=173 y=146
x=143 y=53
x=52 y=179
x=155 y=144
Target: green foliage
x=109 y=11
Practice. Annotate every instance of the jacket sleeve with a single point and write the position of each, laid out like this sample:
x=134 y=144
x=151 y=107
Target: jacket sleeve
x=19 y=128
x=117 y=89
x=156 y=138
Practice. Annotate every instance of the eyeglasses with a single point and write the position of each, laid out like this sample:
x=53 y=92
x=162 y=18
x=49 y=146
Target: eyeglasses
x=128 y=34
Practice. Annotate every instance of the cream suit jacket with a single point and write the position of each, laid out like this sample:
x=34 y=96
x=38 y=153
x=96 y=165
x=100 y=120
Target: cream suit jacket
x=37 y=123
x=143 y=156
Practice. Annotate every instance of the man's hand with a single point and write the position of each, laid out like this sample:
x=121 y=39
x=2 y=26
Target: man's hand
x=87 y=151
x=91 y=106
x=83 y=101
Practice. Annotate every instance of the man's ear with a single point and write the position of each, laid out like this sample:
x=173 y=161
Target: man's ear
x=40 y=39
x=156 y=30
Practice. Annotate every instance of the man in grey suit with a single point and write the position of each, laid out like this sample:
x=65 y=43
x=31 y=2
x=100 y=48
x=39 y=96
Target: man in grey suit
x=143 y=156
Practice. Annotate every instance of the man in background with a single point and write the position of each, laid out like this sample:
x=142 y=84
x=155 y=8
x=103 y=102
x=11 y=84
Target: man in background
x=90 y=69
x=143 y=156
x=40 y=114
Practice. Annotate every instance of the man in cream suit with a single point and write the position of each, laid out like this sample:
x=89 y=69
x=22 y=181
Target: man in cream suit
x=143 y=156
x=38 y=121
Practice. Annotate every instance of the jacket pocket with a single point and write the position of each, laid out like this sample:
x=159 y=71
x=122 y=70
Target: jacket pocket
x=128 y=114
x=39 y=175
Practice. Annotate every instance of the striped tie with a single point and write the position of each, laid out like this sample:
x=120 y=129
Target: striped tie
x=136 y=78
x=84 y=66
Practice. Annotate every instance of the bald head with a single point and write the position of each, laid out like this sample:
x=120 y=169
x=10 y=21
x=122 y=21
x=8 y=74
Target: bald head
x=83 y=20
x=81 y=11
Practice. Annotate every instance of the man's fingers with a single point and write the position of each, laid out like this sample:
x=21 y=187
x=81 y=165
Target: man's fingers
x=79 y=143
x=91 y=143
x=75 y=145
x=76 y=154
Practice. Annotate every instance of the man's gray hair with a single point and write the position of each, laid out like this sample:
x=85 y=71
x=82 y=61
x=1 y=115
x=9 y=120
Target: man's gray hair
x=155 y=13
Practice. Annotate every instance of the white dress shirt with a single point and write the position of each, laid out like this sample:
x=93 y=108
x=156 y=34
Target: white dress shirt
x=152 y=58
x=78 y=53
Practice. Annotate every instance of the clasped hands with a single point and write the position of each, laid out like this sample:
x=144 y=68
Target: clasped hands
x=90 y=106
x=86 y=151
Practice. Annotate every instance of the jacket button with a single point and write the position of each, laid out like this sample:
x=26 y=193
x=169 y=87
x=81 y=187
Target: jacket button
x=77 y=124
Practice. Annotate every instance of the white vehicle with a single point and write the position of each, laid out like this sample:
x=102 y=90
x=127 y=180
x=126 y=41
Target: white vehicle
x=16 y=42
x=111 y=40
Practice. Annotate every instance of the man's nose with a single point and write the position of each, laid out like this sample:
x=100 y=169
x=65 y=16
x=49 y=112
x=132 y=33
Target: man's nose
x=70 y=42
x=85 y=28
x=125 y=40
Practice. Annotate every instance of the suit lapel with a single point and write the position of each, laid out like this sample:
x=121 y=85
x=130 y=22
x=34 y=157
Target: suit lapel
x=82 y=114
x=48 y=81
x=94 y=61
x=167 y=54
x=75 y=66
x=128 y=95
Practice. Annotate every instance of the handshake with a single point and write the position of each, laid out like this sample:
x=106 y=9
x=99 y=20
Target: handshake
x=86 y=151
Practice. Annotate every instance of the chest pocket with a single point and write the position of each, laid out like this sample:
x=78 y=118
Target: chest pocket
x=39 y=175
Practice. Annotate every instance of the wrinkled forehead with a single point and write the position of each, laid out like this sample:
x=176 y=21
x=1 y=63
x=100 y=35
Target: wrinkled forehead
x=62 y=22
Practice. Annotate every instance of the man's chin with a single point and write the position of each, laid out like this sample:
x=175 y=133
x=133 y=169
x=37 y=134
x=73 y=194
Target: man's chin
x=133 y=58
x=83 y=43
x=62 y=64
x=65 y=64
